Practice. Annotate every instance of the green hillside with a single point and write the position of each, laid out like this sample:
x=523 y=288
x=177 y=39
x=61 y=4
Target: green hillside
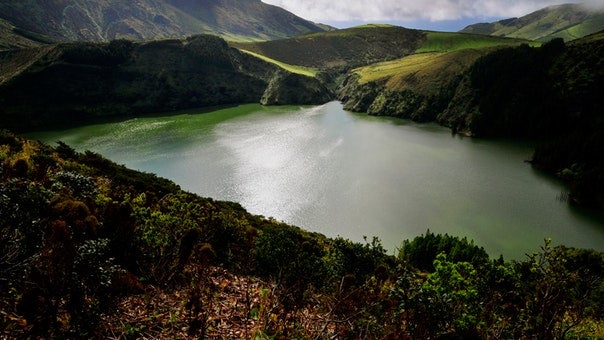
x=440 y=57
x=449 y=41
x=367 y=44
x=306 y=71
x=420 y=85
x=340 y=48
x=420 y=71
x=569 y=21
x=583 y=29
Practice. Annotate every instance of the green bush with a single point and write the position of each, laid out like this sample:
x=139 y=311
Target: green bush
x=292 y=259
x=356 y=259
x=423 y=250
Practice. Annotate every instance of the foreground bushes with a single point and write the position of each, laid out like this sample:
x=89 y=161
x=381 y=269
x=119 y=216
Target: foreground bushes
x=79 y=234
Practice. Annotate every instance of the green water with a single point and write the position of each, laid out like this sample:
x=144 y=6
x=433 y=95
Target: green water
x=339 y=173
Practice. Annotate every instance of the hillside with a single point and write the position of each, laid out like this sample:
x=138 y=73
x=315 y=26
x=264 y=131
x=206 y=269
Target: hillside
x=569 y=21
x=364 y=45
x=12 y=37
x=77 y=20
x=91 y=249
x=418 y=86
x=340 y=49
x=73 y=83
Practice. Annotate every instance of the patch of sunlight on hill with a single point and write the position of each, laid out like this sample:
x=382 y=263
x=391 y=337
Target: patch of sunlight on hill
x=406 y=65
x=448 y=41
x=423 y=72
x=306 y=71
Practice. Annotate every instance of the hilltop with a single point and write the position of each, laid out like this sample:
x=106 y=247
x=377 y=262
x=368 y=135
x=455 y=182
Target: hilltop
x=568 y=21
x=76 y=20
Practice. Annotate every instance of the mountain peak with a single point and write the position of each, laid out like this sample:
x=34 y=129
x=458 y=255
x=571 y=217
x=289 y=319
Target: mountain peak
x=70 y=20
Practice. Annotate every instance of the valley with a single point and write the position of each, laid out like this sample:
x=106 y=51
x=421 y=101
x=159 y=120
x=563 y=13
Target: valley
x=228 y=169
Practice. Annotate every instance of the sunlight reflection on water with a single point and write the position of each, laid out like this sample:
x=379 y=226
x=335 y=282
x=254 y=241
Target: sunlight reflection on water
x=328 y=170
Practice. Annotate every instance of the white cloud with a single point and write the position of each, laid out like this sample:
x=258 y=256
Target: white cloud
x=333 y=11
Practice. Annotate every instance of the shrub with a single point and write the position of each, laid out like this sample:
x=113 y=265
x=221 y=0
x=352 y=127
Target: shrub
x=423 y=250
x=79 y=186
x=354 y=259
x=294 y=261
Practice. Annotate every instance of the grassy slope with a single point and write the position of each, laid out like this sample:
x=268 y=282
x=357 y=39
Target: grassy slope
x=340 y=48
x=441 y=56
x=449 y=41
x=569 y=21
x=306 y=71
x=583 y=29
x=370 y=44
x=419 y=72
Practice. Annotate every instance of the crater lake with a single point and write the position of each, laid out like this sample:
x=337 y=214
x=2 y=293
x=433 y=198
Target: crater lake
x=351 y=175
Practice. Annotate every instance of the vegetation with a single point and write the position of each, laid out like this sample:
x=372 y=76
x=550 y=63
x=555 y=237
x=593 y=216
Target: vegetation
x=73 y=83
x=150 y=20
x=12 y=37
x=550 y=94
x=448 y=41
x=305 y=71
x=567 y=21
x=340 y=49
x=419 y=69
x=92 y=249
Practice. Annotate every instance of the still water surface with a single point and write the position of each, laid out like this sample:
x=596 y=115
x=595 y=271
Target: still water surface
x=340 y=173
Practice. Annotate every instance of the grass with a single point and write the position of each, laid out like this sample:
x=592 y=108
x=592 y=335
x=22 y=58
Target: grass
x=580 y=30
x=449 y=41
x=424 y=72
x=404 y=66
x=306 y=71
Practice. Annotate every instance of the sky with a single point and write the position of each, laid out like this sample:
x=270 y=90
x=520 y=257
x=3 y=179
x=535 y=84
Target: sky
x=439 y=15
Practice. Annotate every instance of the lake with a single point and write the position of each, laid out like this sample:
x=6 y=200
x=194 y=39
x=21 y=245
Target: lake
x=351 y=175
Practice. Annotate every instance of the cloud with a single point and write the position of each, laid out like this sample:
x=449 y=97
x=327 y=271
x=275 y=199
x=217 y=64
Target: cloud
x=333 y=11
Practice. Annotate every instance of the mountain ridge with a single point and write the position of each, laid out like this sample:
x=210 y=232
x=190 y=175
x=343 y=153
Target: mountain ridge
x=77 y=20
x=567 y=21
